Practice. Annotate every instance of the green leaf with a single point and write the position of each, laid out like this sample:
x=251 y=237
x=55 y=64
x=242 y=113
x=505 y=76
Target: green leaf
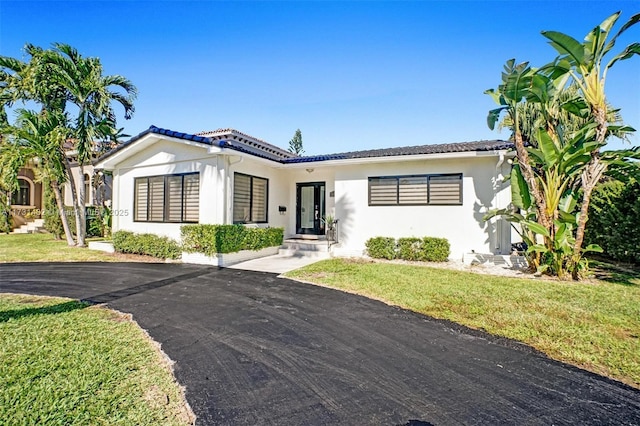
x=548 y=148
x=577 y=107
x=494 y=116
x=536 y=227
x=537 y=248
x=632 y=49
x=566 y=45
x=520 y=196
x=592 y=248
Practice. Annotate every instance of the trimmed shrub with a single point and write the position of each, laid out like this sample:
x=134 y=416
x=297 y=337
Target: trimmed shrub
x=409 y=248
x=147 y=244
x=435 y=249
x=259 y=238
x=427 y=249
x=381 y=247
x=613 y=220
x=213 y=239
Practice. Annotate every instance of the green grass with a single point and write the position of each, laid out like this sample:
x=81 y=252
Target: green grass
x=44 y=248
x=66 y=363
x=594 y=325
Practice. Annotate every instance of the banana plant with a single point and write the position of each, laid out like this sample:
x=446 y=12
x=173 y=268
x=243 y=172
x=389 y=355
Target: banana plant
x=587 y=63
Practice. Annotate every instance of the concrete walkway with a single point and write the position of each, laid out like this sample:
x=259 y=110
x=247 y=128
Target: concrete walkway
x=277 y=264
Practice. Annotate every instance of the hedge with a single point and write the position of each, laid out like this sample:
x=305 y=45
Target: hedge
x=427 y=249
x=381 y=247
x=613 y=220
x=213 y=239
x=147 y=244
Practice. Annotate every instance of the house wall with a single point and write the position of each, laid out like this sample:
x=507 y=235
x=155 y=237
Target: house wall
x=302 y=175
x=462 y=225
x=216 y=186
x=164 y=158
x=279 y=189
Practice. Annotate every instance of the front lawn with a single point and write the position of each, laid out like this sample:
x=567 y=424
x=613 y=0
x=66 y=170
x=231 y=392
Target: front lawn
x=44 y=248
x=64 y=362
x=594 y=325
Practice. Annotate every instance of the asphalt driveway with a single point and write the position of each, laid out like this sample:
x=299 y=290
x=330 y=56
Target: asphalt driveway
x=252 y=348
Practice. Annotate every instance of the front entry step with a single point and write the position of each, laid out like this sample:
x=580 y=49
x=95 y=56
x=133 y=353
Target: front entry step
x=305 y=248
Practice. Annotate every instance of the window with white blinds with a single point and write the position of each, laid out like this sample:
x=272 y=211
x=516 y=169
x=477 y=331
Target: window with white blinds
x=250 y=199
x=416 y=190
x=171 y=198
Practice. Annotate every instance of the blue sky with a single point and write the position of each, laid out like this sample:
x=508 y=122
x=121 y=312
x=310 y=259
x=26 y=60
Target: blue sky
x=350 y=75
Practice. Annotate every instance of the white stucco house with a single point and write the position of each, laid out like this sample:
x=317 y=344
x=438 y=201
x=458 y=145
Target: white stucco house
x=163 y=179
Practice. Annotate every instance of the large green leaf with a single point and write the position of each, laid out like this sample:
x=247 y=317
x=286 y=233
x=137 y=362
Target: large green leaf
x=516 y=81
x=632 y=49
x=566 y=45
x=592 y=248
x=535 y=227
x=548 y=147
x=494 y=116
x=577 y=107
x=520 y=195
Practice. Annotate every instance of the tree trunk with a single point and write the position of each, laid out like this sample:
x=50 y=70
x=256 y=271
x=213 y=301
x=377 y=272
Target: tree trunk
x=82 y=211
x=74 y=194
x=590 y=178
x=63 y=214
x=530 y=178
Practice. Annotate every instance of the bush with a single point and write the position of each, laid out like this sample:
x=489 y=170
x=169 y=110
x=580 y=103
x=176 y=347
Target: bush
x=409 y=248
x=213 y=239
x=94 y=226
x=435 y=249
x=52 y=219
x=613 y=220
x=427 y=249
x=381 y=247
x=147 y=244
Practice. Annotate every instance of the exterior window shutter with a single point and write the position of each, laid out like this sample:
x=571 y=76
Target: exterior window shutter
x=191 y=194
x=241 y=198
x=156 y=199
x=413 y=190
x=446 y=189
x=259 y=200
x=383 y=191
x=141 y=199
x=174 y=199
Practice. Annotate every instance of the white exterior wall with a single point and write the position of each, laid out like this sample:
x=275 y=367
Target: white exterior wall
x=278 y=189
x=301 y=175
x=462 y=224
x=165 y=158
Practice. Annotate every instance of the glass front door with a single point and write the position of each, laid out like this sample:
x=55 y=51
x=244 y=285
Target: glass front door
x=310 y=207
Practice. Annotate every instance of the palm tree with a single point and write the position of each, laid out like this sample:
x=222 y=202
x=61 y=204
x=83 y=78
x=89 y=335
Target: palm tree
x=92 y=93
x=39 y=136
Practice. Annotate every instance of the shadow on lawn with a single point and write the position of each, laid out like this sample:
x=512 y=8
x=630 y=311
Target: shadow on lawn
x=60 y=308
x=624 y=274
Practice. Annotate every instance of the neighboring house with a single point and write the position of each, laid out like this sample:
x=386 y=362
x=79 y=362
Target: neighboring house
x=163 y=179
x=27 y=203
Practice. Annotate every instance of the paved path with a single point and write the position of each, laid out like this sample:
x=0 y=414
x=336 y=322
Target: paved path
x=277 y=264
x=252 y=348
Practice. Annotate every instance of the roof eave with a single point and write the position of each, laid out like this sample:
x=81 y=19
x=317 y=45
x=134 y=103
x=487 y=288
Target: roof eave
x=397 y=158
